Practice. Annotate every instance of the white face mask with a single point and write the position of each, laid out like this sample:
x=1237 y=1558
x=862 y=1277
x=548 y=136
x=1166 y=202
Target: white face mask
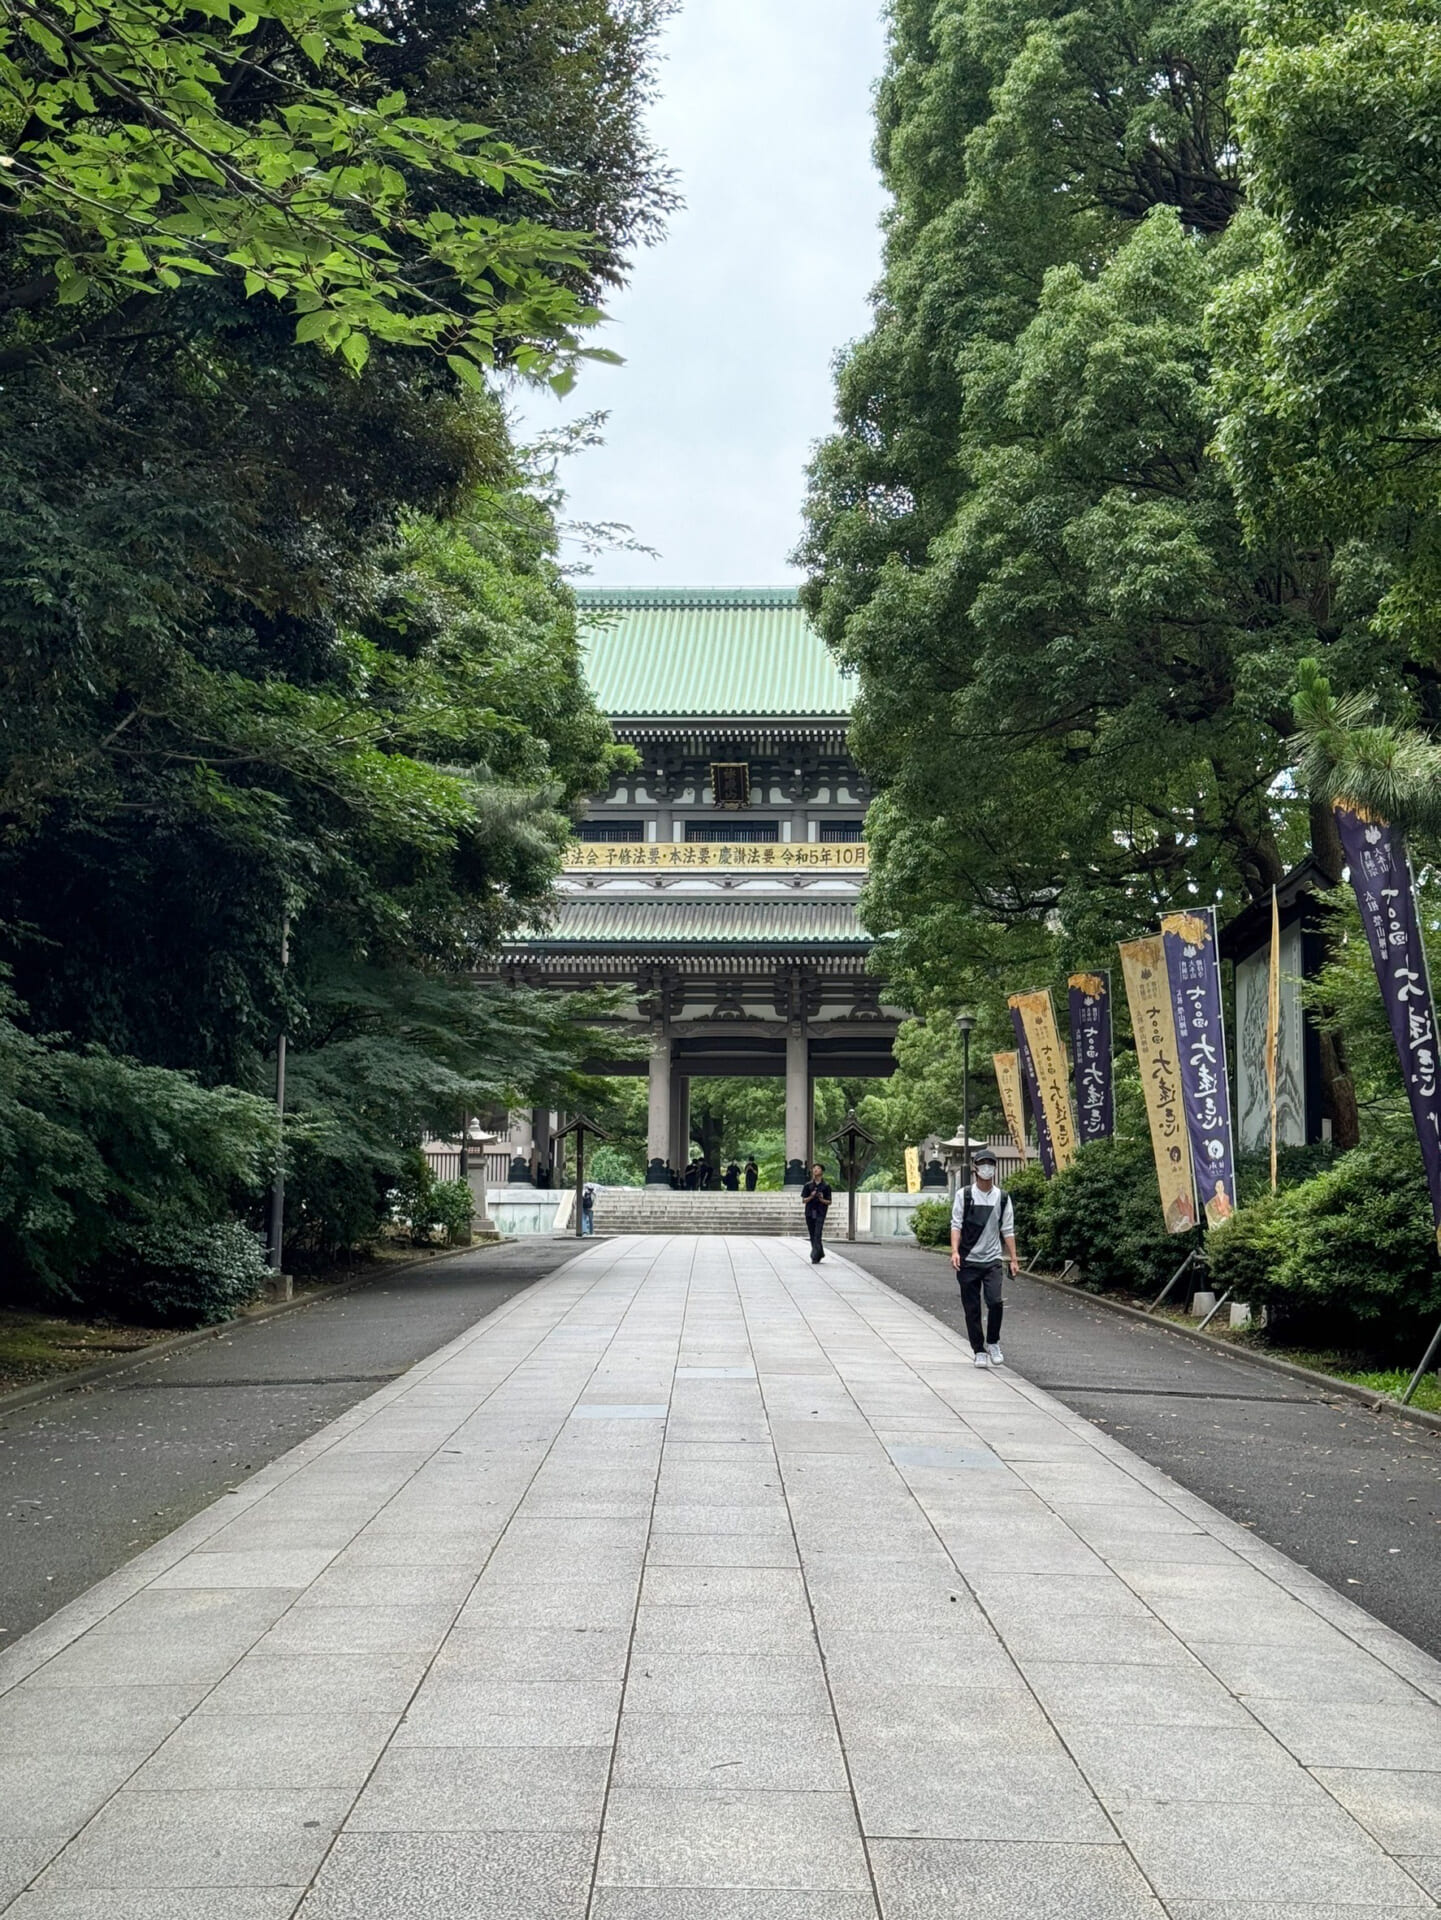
x=984 y=1176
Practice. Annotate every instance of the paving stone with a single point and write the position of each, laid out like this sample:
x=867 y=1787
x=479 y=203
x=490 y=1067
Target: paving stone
x=1180 y=1695
x=282 y=1749
x=220 y=1903
x=453 y=1876
x=721 y=1629
x=505 y=1713
x=295 y=1567
x=724 y=1903
x=954 y=1792
x=55 y=1793
x=92 y=1719
x=484 y=1789
x=664 y=1837
x=1400 y=1810
x=22 y=1856
x=484 y=1651
x=379 y=1629
x=317 y=1683
x=945 y=1879
x=344 y=1584
x=780 y=1752
x=725 y=1682
x=1183 y=1765
x=1398 y=1735
x=722 y=1550
x=1313 y=1852
x=1283 y=1910
x=251 y=1838
x=767 y=1587
x=1335 y=1672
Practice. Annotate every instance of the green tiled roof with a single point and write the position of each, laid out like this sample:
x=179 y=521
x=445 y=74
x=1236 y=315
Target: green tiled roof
x=707 y=651
x=668 y=922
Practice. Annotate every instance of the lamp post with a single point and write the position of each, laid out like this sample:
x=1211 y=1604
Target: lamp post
x=964 y=1023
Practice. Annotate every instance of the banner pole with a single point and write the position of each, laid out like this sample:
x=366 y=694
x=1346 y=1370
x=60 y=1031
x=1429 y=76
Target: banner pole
x=1426 y=1359
x=1164 y=1294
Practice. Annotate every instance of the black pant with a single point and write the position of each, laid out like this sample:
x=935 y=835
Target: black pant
x=815 y=1226
x=974 y=1282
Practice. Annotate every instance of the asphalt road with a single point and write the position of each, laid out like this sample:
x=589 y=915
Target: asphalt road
x=90 y=1478
x=1353 y=1495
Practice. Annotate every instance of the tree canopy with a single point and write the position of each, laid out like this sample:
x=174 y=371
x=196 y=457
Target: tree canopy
x=284 y=639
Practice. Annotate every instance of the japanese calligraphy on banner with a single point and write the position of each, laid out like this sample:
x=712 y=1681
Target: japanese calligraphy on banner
x=1193 y=966
x=1148 y=994
x=1090 y=1002
x=1008 y=1079
x=1381 y=875
x=913 y=1169
x=840 y=856
x=1053 y=1080
x=1033 y=1094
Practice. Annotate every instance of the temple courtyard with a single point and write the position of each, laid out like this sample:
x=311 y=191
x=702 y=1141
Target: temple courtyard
x=695 y=1582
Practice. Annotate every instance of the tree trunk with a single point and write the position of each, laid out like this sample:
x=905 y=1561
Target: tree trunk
x=1338 y=1094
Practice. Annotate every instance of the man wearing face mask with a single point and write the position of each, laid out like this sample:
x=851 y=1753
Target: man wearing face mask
x=983 y=1240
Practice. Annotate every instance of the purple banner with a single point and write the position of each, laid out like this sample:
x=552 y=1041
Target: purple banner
x=1033 y=1095
x=1090 y=995
x=1381 y=875
x=1193 y=968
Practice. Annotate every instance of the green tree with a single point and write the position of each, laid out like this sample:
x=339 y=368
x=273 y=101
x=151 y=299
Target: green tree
x=1326 y=347
x=284 y=636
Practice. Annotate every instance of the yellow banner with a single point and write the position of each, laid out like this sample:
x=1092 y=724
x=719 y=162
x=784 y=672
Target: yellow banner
x=913 y=1169
x=1008 y=1079
x=1148 y=992
x=1053 y=1080
x=841 y=857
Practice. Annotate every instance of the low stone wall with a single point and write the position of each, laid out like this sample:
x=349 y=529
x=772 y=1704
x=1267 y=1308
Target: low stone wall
x=891 y=1213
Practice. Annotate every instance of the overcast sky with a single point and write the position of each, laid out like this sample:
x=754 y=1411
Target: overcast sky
x=729 y=325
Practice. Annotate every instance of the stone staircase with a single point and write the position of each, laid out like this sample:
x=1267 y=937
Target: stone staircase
x=663 y=1210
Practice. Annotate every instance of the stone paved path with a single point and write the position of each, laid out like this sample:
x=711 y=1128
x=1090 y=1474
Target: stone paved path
x=698 y=1584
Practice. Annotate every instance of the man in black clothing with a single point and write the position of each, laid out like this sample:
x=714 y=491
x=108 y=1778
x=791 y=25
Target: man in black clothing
x=753 y=1173
x=816 y=1194
x=732 y=1178
x=983 y=1242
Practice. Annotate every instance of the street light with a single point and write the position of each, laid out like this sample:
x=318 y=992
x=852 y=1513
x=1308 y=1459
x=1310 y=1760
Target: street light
x=964 y=1023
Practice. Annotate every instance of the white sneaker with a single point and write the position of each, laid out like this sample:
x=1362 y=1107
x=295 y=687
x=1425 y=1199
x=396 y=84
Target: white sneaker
x=998 y=1359
x=981 y=1360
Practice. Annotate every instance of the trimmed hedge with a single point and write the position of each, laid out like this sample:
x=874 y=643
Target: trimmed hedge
x=1103 y=1213
x=1354 y=1246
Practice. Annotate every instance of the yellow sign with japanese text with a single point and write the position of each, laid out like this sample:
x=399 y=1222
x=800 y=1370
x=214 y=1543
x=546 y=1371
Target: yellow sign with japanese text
x=1148 y=993
x=1053 y=1079
x=848 y=856
x=1008 y=1079
x=913 y=1169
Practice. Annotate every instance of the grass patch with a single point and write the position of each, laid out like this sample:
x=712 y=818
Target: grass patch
x=37 y=1346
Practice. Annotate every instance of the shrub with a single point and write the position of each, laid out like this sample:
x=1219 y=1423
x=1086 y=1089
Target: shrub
x=1104 y=1213
x=95 y=1150
x=1352 y=1248
x=453 y=1205
x=1027 y=1187
x=931 y=1223
x=180 y=1273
